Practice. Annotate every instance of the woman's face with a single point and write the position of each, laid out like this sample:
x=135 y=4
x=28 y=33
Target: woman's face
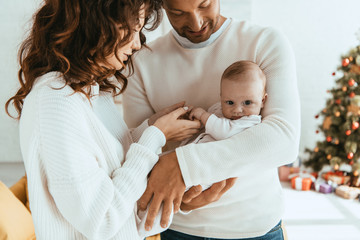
x=127 y=50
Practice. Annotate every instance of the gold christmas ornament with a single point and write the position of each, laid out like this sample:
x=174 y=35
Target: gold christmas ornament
x=327 y=123
x=316 y=149
x=336 y=167
x=337 y=114
x=344 y=88
x=356 y=173
x=328 y=157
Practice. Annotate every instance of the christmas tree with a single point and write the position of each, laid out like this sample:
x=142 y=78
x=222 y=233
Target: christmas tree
x=341 y=118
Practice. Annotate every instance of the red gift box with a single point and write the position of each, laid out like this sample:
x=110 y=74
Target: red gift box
x=302 y=182
x=337 y=177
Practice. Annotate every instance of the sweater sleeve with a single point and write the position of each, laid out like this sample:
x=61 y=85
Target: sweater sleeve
x=222 y=128
x=270 y=144
x=95 y=204
x=135 y=97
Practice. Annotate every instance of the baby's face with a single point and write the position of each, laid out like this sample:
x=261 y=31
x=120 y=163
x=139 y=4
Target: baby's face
x=242 y=97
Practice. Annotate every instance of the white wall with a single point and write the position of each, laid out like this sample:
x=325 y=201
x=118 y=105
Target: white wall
x=14 y=19
x=319 y=31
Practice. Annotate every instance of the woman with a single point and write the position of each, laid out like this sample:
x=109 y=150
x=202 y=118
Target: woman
x=85 y=169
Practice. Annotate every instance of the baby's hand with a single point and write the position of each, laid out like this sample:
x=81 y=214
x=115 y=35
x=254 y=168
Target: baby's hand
x=196 y=113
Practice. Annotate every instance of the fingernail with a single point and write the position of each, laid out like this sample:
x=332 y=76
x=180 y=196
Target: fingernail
x=163 y=225
x=186 y=108
x=147 y=228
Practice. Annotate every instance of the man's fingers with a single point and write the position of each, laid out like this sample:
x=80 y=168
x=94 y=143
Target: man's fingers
x=165 y=216
x=145 y=199
x=213 y=193
x=152 y=212
x=192 y=193
x=177 y=203
x=229 y=183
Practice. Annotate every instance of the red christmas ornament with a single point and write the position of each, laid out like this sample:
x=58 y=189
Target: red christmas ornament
x=328 y=139
x=348 y=132
x=334 y=73
x=351 y=162
x=355 y=125
x=345 y=62
x=352 y=94
x=317 y=116
x=351 y=82
x=317 y=131
x=350 y=155
x=338 y=101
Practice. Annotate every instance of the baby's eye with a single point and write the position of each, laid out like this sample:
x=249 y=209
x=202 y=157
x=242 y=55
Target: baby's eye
x=229 y=102
x=247 y=102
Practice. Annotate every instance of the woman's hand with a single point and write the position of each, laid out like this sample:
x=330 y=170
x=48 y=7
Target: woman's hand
x=165 y=111
x=176 y=129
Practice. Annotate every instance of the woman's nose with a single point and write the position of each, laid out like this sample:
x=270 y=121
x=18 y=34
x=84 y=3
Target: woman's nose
x=136 y=45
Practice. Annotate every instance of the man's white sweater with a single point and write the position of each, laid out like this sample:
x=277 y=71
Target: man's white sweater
x=84 y=172
x=170 y=73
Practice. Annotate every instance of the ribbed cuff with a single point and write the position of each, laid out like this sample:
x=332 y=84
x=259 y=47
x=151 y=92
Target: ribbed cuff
x=153 y=139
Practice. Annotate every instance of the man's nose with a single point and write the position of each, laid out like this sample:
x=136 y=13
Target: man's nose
x=196 y=21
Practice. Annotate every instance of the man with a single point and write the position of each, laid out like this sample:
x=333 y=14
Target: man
x=186 y=64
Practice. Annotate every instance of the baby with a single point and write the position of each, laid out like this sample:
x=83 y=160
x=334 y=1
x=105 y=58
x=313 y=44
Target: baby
x=243 y=95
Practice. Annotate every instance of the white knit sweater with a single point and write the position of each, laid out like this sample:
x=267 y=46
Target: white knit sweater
x=170 y=73
x=84 y=172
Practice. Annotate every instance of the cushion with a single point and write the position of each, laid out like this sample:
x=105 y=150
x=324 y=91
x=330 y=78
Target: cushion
x=15 y=219
x=19 y=189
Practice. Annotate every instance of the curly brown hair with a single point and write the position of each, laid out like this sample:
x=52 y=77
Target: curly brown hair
x=74 y=37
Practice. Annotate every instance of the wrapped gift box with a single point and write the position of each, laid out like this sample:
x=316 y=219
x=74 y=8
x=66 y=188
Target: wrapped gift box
x=337 y=177
x=301 y=183
x=347 y=192
x=325 y=188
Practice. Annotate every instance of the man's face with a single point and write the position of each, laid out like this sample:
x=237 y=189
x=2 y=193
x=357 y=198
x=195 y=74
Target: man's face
x=194 y=19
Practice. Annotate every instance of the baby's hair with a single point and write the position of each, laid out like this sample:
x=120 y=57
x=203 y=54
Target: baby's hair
x=240 y=67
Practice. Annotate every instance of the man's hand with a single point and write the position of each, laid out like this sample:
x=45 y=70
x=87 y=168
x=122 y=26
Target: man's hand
x=194 y=198
x=165 y=186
